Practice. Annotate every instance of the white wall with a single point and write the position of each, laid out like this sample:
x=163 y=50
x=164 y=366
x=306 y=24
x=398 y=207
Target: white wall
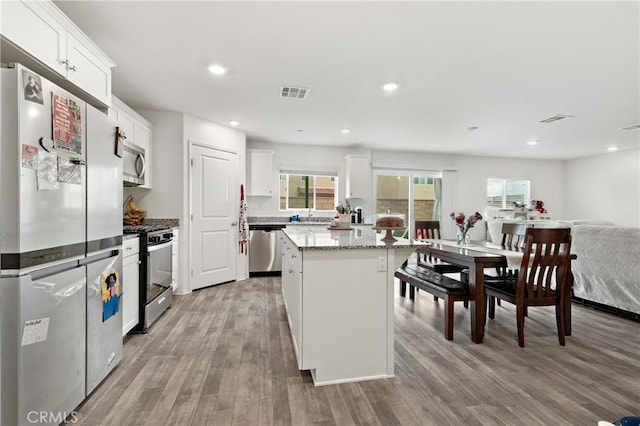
x=169 y=196
x=470 y=175
x=299 y=157
x=604 y=187
x=167 y=146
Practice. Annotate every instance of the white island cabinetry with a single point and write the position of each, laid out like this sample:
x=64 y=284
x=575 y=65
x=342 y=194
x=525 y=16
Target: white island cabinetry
x=339 y=301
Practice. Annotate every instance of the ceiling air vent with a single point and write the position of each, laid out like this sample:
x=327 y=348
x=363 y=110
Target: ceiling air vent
x=555 y=118
x=294 y=92
x=635 y=127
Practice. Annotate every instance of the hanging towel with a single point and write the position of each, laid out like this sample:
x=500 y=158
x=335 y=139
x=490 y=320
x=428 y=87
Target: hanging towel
x=243 y=225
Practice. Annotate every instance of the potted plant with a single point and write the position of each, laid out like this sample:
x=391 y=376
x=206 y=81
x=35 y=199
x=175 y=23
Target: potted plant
x=344 y=216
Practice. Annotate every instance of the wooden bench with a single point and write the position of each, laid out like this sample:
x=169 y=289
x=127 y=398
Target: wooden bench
x=426 y=279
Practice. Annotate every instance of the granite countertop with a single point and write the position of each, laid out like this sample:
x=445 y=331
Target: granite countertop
x=360 y=237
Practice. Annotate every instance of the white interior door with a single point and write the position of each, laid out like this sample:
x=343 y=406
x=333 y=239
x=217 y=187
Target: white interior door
x=214 y=209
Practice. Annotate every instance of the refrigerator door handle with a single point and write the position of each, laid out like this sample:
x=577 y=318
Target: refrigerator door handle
x=53 y=270
x=97 y=256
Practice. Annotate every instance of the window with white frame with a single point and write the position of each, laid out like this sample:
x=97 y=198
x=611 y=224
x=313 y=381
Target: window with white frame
x=503 y=193
x=299 y=190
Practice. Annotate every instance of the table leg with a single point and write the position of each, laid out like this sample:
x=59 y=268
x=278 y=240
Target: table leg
x=476 y=290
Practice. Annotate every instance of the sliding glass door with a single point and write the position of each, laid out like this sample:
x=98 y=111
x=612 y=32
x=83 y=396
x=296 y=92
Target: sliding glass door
x=417 y=195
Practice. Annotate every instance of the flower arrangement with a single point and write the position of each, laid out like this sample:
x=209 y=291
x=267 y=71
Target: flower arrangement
x=464 y=225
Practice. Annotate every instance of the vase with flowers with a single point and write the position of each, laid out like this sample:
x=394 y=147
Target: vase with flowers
x=464 y=223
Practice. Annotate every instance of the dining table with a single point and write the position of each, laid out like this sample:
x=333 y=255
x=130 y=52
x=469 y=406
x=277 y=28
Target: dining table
x=476 y=257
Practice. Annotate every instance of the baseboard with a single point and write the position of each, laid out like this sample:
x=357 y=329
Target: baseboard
x=606 y=308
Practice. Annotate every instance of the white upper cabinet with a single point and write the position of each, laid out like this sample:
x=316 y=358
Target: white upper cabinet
x=260 y=170
x=358 y=177
x=40 y=29
x=136 y=130
x=87 y=70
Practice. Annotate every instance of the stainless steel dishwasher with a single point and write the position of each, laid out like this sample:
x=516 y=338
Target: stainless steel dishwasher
x=265 y=249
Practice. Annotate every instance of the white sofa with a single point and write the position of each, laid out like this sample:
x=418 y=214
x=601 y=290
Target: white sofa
x=494 y=227
x=607 y=268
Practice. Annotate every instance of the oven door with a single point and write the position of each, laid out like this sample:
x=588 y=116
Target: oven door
x=159 y=269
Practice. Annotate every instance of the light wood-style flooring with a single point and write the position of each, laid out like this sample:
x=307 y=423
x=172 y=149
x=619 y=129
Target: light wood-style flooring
x=223 y=355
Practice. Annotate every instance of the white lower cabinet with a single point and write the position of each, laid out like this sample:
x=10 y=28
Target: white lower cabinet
x=174 y=260
x=130 y=284
x=292 y=293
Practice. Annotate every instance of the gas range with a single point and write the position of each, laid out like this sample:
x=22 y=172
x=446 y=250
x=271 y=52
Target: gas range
x=156 y=271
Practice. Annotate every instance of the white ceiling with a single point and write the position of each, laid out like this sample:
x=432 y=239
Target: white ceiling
x=500 y=66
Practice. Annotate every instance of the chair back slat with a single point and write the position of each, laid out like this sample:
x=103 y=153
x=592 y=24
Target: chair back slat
x=513 y=235
x=427 y=229
x=546 y=255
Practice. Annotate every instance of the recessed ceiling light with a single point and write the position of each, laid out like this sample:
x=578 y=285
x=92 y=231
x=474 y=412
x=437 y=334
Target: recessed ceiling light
x=472 y=128
x=612 y=148
x=299 y=130
x=345 y=131
x=390 y=86
x=532 y=143
x=234 y=123
x=217 y=69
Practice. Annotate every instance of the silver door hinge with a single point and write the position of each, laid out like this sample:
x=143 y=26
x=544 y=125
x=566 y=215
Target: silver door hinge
x=191 y=216
x=192 y=272
x=192 y=162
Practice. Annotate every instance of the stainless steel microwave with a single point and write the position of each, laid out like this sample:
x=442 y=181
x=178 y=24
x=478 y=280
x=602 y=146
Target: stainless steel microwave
x=133 y=164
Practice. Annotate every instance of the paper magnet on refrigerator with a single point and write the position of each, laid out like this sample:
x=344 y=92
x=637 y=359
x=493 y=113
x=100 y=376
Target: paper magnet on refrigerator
x=110 y=285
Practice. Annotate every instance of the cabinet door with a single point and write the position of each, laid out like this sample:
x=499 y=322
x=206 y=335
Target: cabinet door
x=358 y=173
x=295 y=304
x=174 y=260
x=87 y=71
x=131 y=292
x=32 y=29
x=260 y=167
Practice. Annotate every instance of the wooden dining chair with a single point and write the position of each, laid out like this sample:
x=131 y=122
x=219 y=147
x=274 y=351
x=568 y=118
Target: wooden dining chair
x=513 y=235
x=546 y=254
x=512 y=239
x=426 y=230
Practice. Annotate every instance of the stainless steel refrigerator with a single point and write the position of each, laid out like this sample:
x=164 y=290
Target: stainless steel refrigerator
x=60 y=249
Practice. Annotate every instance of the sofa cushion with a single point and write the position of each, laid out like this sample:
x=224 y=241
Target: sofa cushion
x=606 y=270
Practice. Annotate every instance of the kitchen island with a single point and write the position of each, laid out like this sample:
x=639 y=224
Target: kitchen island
x=337 y=287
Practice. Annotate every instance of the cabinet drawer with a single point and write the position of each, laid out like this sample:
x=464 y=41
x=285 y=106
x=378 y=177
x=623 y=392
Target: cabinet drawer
x=130 y=246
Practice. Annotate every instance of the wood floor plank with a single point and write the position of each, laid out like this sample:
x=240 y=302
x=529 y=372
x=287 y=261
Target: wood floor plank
x=223 y=356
